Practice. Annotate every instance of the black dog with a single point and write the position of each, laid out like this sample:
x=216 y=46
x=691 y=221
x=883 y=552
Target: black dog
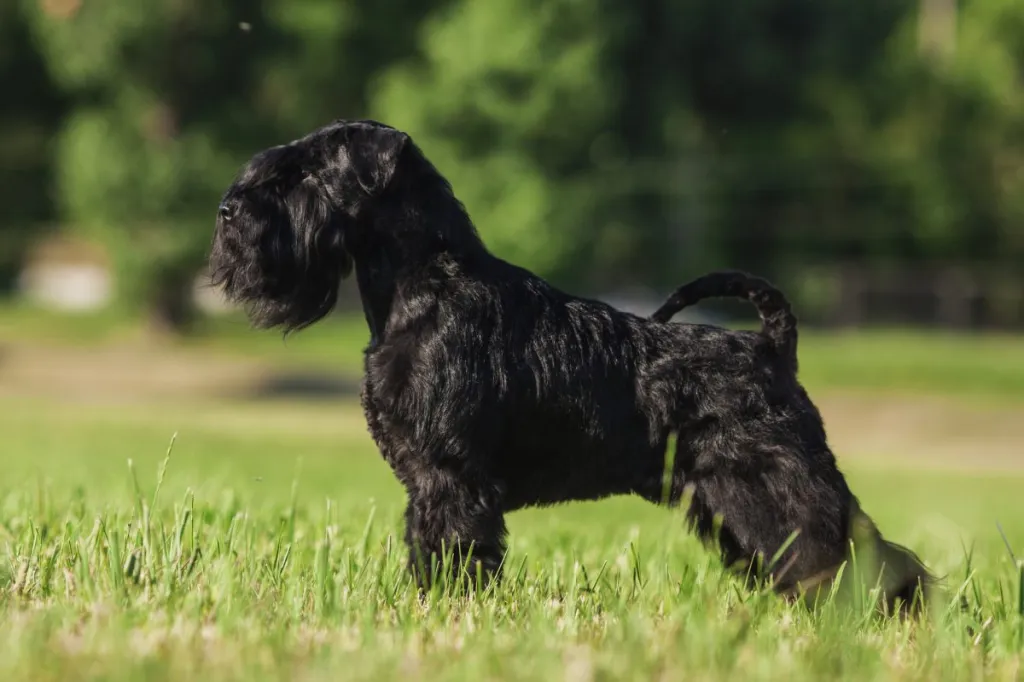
x=488 y=390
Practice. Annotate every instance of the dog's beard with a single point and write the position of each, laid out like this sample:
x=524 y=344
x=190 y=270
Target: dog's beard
x=282 y=279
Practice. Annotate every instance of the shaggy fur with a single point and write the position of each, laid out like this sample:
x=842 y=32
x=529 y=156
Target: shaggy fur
x=488 y=390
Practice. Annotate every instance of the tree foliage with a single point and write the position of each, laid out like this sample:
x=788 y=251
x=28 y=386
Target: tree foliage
x=599 y=143
x=33 y=107
x=507 y=98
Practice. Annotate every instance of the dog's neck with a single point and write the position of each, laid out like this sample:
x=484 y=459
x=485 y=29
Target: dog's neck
x=377 y=294
x=410 y=246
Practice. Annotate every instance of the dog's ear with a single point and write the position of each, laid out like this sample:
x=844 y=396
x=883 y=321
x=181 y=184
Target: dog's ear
x=373 y=153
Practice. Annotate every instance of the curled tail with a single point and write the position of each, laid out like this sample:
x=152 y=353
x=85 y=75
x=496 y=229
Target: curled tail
x=778 y=323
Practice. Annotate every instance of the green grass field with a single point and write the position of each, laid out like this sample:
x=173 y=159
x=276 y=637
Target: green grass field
x=267 y=545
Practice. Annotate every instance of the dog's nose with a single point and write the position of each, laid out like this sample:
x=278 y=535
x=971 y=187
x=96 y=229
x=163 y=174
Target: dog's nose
x=226 y=212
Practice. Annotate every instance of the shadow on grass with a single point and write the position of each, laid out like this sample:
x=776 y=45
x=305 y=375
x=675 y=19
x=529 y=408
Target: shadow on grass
x=302 y=385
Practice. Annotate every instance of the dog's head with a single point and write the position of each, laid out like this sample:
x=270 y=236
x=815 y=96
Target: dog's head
x=286 y=226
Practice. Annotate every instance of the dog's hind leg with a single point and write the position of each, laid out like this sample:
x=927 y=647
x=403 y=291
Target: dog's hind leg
x=450 y=513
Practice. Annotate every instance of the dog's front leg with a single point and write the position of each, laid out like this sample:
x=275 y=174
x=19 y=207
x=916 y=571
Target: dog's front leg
x=455 y=528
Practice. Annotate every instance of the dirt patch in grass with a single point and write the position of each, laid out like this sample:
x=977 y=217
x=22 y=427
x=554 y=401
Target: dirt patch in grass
x=925 y=431
x=122 y=373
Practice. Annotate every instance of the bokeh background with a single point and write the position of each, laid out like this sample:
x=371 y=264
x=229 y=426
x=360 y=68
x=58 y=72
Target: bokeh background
x=866 y=156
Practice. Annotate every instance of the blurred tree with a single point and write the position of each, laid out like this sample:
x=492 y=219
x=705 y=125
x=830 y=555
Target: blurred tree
x=167 y=95
x=603 y=143
x=969 y=140
x=766 y=83
x=927 y=148
x=31 y=114
x=643 y=141
x=507 y=98
x=173 y=95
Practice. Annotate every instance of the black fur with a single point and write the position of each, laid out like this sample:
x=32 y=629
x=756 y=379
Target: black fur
x=488 y=390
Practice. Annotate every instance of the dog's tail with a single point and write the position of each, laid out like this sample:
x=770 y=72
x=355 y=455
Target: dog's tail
x=778 y=323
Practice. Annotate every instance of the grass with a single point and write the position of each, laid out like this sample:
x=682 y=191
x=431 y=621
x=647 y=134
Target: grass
x=267 y=544
x=266 y=549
